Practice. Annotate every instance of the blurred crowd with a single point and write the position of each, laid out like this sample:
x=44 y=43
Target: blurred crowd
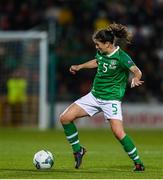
x=75 y=21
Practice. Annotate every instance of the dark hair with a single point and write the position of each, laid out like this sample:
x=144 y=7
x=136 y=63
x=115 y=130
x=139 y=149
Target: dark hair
x=112 y=33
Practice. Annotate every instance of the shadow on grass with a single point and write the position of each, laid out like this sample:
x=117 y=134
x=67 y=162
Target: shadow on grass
x=150 y=168
x=82 y=170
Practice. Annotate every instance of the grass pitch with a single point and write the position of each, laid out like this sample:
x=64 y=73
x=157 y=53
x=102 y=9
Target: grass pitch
x=105 y=157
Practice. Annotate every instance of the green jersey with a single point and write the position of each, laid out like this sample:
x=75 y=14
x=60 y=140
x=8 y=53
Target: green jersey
x=112 y=75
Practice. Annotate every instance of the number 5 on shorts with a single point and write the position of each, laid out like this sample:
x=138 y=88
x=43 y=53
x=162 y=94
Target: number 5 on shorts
x=114 y=109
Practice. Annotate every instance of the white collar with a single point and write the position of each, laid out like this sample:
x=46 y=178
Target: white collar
x=113 y=52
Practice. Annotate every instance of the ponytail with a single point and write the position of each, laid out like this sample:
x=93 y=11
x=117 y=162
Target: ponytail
x=120 y=31
x=114 y=32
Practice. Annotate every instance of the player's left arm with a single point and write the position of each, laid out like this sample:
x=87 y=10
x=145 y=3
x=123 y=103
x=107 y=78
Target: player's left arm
x=136 y=80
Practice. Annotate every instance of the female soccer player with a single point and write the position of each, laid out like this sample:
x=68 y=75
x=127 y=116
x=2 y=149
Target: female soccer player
x=113 y=67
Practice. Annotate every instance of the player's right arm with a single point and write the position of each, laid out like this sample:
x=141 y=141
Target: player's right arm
x=88 y=65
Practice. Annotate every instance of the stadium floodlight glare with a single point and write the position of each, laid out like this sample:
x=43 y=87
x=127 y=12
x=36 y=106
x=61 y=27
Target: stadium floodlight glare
x=30 y=51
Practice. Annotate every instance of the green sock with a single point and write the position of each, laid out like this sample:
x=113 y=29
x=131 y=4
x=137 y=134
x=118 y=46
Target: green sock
x=130 y=148
x=72 y=135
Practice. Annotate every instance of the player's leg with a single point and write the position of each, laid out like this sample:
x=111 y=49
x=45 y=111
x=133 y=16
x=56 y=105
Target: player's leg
x=85 y=106
x=66 y=118
x=127 y=143
x=113 y=112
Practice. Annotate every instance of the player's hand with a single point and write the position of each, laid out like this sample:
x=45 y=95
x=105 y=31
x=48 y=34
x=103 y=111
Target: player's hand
x=136 y=82
x=74 y=69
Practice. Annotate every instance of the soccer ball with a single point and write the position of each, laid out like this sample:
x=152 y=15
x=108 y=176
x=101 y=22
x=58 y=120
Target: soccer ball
x=43 y=160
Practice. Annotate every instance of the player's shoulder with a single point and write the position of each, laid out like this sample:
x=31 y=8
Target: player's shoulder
x=99 y=55
x=124 y=54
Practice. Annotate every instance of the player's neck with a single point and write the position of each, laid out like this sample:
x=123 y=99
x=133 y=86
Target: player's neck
x=111 y=49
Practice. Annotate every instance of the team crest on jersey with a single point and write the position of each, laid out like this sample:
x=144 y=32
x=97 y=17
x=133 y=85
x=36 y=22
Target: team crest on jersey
x=113 y=64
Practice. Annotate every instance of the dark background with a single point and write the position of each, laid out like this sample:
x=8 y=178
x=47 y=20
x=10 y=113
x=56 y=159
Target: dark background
x=70 y=25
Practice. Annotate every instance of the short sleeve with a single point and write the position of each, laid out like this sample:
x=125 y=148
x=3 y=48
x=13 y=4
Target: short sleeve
x=126 y=60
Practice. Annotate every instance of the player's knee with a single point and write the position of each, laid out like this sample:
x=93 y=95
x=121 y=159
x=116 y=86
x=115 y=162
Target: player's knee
x=119 y=134
x=64 y=119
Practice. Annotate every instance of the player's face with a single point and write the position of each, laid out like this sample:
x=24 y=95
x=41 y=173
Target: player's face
x=102 y=47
